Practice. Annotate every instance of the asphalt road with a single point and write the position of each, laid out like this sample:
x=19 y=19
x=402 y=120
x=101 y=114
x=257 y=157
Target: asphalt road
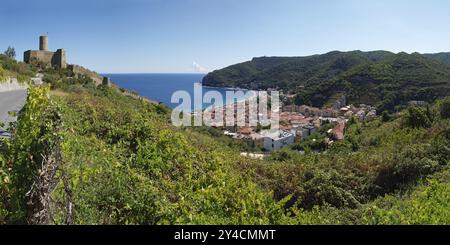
x=10 y=101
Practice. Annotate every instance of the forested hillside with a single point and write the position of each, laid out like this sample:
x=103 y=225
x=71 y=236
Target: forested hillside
x=378 y=78
x=87 y=154
x=442 y=57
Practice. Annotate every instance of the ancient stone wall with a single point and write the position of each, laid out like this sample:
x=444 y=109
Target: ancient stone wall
x=79 y=70
x=11 y=84
x=57 y=58
x=44 y=56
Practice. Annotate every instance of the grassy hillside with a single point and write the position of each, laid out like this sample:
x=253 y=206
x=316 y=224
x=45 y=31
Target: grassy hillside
x=379 y=78
x=86 y=154
x=10 y=68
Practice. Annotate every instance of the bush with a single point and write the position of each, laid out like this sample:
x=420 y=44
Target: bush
x=283 y=155
x=315 y=142
x=385 y=116
x=340 y=147
x=16 y=69
x=412 y=169
x=417 y=118
x=4 y=182
x=408 y=167
x=444 y=108
x=439 y=150
x=34 y=138
x=427 y=205
x=3 y=74
x=322 y=188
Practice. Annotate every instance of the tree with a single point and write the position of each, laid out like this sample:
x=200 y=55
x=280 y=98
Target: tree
x=10 y=52
x=417 y=118
x=352 y=121
x=385 y=116
x=302 y=99
x=444 y=108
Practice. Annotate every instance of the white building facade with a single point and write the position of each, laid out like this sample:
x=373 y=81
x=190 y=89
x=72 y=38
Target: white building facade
x=274 y=140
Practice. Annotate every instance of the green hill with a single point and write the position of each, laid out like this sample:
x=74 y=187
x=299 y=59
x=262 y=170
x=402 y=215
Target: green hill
x=379 y=78
x=442 y=57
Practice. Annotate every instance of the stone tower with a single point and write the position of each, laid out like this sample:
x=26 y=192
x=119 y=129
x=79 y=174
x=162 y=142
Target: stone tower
x=43 y=43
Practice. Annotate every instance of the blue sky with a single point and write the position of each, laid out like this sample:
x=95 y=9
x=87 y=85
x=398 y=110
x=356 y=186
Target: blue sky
x=203 y=35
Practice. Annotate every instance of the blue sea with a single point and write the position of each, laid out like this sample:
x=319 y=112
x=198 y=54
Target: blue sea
x=160 y=87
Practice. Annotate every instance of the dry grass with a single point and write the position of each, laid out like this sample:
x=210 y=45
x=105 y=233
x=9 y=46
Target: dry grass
x=58 y=93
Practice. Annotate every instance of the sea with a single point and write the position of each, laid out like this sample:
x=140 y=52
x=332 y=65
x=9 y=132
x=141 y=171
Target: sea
x=160 y=87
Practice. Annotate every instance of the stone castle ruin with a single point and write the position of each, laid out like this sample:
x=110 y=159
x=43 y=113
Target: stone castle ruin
x=57 y=58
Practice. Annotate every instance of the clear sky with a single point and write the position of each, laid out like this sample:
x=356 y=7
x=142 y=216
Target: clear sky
x=203 y=35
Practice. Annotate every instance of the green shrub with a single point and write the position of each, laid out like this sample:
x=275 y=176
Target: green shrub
x=4 y=182
x=417 y=118
x=385 y=116
x=283 y=155
x=35 y=135
x=444 y=108
x=408 y=166
x=16 y=69
x=322 y=188
x=427 y=205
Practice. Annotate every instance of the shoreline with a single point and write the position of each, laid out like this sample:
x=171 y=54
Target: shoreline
x=227 y=88
x=204 y=106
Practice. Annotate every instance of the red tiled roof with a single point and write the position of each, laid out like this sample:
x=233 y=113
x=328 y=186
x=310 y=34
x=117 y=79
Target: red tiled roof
x=246 y=130
x=338 y=131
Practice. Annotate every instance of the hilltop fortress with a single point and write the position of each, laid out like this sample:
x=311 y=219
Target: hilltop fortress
x=58 y=59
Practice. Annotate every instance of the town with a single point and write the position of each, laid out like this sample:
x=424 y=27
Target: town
x=296 y=123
